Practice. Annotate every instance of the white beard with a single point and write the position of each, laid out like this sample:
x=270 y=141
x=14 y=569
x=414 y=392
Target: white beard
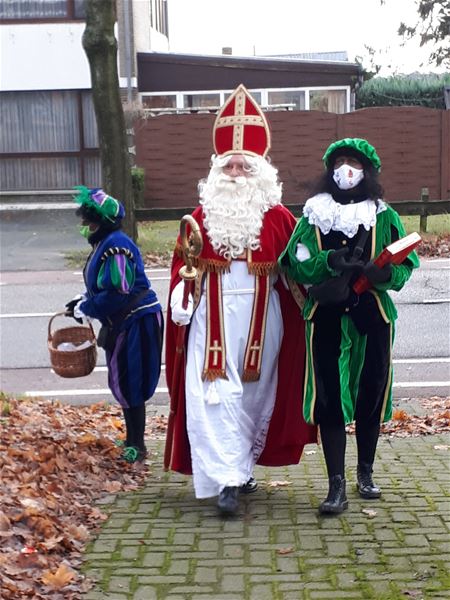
x=234 y=210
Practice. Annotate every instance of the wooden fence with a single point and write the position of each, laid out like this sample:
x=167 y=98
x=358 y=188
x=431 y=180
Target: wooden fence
x=413 y=144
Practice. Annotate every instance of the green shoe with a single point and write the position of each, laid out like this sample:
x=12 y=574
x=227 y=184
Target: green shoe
x=131 y=454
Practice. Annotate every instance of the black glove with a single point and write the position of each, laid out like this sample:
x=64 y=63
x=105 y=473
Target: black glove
x=376 y=274
x=335 y=290
x=70 y=306
x=337 y=261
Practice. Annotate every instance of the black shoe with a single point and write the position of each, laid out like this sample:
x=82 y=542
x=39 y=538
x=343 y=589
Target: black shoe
x=228 y=500
x=336 y=501
x=249 y=487
x=366 y=487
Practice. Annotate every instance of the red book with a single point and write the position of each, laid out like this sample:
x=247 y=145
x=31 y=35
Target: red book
x=395 y=254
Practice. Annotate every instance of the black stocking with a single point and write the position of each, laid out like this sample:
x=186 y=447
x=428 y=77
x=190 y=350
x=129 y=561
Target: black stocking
x=128 y=427
x=135 y=424
x=333 y=442
x=366 y=441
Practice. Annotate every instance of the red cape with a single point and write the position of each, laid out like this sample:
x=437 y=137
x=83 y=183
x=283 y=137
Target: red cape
x=288 y=432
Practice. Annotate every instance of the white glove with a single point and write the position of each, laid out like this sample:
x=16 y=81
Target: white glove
x=72 y=305
x=302 y=253
x=180 y=315
x=77 y=312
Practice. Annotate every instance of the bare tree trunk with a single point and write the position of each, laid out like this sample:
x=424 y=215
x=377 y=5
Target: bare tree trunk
x=100 y=46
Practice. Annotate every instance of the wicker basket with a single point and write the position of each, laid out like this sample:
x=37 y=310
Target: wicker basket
x=72 y=363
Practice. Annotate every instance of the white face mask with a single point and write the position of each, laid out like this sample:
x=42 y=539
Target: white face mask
x=347 y=177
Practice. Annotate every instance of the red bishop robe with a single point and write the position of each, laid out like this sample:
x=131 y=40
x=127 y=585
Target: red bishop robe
x=288 y=432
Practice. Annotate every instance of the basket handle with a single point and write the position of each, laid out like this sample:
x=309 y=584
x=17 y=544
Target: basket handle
x=63 y=314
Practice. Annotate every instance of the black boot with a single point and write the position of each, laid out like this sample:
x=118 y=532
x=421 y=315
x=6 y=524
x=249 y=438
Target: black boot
x=366 y=487
x=228 y=500
x=336 y=501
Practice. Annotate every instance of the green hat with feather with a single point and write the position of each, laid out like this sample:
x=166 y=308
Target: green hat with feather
x=104 y=205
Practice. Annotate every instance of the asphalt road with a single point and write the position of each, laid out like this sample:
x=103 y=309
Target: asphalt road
x=35 y=285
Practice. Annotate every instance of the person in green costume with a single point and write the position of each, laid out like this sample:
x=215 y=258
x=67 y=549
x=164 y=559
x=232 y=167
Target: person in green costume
x=348 y=375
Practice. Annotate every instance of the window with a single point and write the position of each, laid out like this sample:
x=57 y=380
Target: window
x=325 y=100
x=328 y=101
x=185 y=101
x=159 y=101
x=291 y=98
x=201 y=100
x=90 y=131
x=48 y=140
x=79 y=9
x=39 y=122
x=23 y=10
x=255 y=95
x=158 y=16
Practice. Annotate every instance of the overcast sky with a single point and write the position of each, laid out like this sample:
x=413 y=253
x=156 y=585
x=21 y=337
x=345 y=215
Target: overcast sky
x=292 y=26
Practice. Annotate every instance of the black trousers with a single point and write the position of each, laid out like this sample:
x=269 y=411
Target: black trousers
x=371 y=391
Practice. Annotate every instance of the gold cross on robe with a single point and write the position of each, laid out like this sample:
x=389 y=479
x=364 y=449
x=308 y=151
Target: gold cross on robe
x=254 y=350
x=215 y=348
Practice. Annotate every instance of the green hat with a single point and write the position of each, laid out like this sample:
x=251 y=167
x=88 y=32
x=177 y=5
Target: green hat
x=104 y=205
x=357 y=144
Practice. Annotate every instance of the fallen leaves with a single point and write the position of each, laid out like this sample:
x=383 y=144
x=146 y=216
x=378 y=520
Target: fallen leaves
x=59 y=578
x=285 y=550
x=434 y=246
x=436 y=419
x=56 y=461
x=161 y=259
x=400 y=415
x=277 y=484
x=369 y=512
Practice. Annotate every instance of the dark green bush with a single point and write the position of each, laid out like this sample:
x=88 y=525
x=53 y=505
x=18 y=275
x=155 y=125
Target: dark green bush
x=404 y=90
x=138 y=182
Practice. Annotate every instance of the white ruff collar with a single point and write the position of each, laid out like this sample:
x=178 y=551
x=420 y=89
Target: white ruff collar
x=327 y=214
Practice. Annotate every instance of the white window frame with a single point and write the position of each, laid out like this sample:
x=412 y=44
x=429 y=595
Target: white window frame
x=263 y=91
x=345 y=88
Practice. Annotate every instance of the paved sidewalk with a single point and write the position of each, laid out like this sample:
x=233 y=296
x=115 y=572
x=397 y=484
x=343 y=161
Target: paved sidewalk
x=161 y=543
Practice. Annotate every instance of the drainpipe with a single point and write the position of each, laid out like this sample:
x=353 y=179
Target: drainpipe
x=128 y=58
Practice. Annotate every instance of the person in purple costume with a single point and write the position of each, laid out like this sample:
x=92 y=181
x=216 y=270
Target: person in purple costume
x=119 y=294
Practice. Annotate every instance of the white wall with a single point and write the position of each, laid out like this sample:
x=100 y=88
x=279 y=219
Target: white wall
x=44 y=56
x=158 y=42
x=146 y=39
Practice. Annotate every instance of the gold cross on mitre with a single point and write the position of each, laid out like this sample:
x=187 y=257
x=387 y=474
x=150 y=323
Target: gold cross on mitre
x=241 y=126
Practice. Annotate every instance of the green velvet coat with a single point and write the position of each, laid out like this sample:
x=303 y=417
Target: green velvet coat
x=315 y=270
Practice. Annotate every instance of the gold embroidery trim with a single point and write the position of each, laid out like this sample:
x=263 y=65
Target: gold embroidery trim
x=380 y=307
x=374 y=238
x=208 y=373
x=311 y=361
x=388 y=384
x=296 y=293
x=254 y=375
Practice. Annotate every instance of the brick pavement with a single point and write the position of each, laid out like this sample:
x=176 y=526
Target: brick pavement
x=161 y=543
